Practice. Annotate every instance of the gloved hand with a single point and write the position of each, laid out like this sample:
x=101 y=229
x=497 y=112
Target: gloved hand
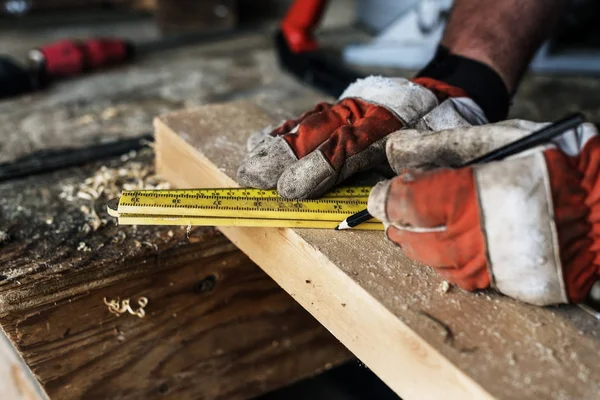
x=305 y=157
x=528 y=226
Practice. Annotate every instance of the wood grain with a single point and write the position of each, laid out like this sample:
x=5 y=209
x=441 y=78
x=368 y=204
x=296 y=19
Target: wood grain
x=383 y=307
x=216 y=326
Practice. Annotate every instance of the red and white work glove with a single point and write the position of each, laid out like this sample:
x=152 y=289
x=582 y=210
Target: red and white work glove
x=528 y=226
x=305 y=157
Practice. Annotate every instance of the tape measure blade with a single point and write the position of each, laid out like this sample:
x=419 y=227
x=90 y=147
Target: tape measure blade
x=349 y=192
x=132 y=219
x=322 y=209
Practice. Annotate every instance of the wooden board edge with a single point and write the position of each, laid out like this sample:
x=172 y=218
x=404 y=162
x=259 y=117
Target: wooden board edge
x=357 y=319
x=17 y=381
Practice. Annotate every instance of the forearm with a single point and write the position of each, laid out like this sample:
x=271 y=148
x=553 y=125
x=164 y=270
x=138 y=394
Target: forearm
x=504 y=34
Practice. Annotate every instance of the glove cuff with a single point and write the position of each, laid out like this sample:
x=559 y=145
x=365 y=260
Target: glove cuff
x=478 y=80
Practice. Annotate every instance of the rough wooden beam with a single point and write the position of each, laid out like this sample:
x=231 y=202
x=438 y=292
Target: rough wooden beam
x=216 y=326
x=383 y=307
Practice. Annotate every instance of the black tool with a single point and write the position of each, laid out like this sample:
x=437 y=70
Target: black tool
x=69 y=58
x=47 y=161
x=314 y=68
x=15 y=79
x=534 y=139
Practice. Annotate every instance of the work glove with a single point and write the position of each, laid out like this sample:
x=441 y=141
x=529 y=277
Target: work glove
x=305 y=157
x=528 y=226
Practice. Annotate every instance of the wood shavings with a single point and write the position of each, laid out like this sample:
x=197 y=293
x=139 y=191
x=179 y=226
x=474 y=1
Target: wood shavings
x=128 y=156
x=85 y=119
x=4 y=237
x=108 y=183
x=86 y=195
x=148 y=143
x=444 y=287
x=151 y=245
x=118 y=307
x=83 y=247
x=67 y=192
x=109 y=113
x=93 y=221
x=120 y=237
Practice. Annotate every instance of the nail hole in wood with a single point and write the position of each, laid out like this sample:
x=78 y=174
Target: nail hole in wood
x=206 y=285
x=163 y=388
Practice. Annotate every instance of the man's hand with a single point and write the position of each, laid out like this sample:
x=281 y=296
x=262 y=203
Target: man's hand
x=305 y=157
x=528 y=226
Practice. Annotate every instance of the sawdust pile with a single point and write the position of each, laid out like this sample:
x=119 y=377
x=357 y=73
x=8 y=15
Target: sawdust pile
x=108 y=183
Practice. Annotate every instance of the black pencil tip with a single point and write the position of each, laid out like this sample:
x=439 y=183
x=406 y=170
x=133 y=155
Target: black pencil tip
x=337 y=228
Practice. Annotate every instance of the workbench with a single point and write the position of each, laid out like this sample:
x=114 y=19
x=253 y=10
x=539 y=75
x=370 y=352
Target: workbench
x=215 y=326
x=202 y=291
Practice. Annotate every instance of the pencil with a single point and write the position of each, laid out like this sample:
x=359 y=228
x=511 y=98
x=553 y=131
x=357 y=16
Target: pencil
x=534 y=139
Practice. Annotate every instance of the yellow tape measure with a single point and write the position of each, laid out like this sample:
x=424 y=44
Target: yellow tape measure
x=239 y=207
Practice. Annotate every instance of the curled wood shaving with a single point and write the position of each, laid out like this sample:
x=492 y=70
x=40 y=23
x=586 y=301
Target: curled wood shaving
x=109 y=113
x=120 y=237
x=83 y=247
x=118 y=307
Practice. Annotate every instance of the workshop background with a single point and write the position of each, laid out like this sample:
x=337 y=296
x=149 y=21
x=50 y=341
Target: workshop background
x=189 y=53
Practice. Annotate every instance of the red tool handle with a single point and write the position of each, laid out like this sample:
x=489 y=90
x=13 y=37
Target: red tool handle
x=299 y=22
x=70 y=58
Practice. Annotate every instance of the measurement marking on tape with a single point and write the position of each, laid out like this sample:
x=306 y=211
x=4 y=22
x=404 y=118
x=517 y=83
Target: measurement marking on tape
x=232 y=205
x=348 y=192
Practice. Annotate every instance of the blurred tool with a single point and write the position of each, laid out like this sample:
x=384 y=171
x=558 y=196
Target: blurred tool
x=52 y=160
x=14 y=79
x=59 y=60
x=69 y=58
x=299 y=52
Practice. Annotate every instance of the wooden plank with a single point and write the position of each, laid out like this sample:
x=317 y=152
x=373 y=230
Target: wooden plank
x=216 y=326
x=383 y=307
